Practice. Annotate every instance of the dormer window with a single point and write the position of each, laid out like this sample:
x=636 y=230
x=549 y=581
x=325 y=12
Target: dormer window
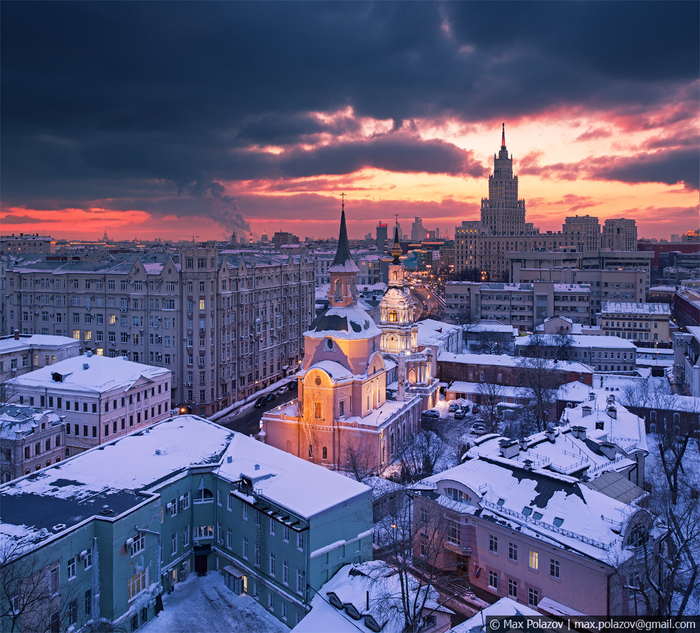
x=329 y=344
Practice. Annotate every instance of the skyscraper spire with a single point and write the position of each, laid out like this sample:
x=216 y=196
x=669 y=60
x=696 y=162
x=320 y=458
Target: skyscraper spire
x=503 y=136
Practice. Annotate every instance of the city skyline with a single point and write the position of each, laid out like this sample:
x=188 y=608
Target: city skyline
x=175 y=120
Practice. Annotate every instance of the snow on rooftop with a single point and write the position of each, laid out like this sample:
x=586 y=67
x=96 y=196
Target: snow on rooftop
x=504 y=607
x=579 y=341
x=352 y=584
x=167 y=449
x=101 y=375
x=350 y=322
x=619 y=307
x=334 y=369
x=9 y=344
x=296 y=484
x=17 y=418
x=504 y=360
x=544 y=504
x=431 y=332
x=489 y=326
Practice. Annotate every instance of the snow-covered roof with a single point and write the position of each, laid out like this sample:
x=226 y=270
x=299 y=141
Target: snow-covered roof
x=334 y=369
x=89 y=373
x=504 y=360
x=541 y=504
x=431 y=332
x=78 y=488
x=352 y=585
x=505 y=391
x=620 y=307
x=579 y=340
x=9 y=344
x=350 y=322
x=302 y=487
x=17 y=418
x=626 y=430
x=504 y=607
x=491 y=326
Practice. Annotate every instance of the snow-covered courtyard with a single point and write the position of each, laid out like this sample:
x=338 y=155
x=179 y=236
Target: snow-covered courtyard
x=206 y=605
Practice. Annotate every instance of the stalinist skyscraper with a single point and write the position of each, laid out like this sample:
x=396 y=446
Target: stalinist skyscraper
x=502 y=213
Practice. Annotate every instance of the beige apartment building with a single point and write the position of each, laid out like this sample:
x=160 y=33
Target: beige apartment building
x=523 y=305
x=606 y=285
x=24 y=244
x=225 y=325
x=646 y=324
x=98 y=398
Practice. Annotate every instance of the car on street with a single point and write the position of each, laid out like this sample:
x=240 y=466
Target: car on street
x=479 y=428
x=453 y=407
x=431 y=413
x=475 y=409
x=260 y=402
x=459 y=414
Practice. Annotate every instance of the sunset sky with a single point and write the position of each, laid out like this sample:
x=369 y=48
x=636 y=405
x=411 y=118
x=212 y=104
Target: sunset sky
x=160 y=119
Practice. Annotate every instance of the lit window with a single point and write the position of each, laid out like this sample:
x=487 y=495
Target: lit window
x=534 y=560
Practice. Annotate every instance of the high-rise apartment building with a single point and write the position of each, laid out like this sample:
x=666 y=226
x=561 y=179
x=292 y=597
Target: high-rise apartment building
x=485 y=244
x=620 y=234
x=583 y=232
x=226 y=326
x=381 y=236
x=502 y=213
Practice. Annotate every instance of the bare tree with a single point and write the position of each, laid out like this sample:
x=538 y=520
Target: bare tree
x=419 y=456
x=491 y=393
x=30 y=598
x=539 y=383
x=668 y=583
x=563 y=344
x=359 y=462
x=413 y=540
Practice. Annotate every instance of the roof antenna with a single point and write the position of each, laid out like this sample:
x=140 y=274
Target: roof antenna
x=503 y=136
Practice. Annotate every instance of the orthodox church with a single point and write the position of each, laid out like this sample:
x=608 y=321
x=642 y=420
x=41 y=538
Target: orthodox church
x=342 y=418
x=400 y=336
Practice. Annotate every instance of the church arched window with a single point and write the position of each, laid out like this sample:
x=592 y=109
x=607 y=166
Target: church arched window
x=338 y=289
x=396 y=274
x=317 y=410
x=393 y=316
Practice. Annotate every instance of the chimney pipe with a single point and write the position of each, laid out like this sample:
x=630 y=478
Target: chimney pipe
x=16 y=335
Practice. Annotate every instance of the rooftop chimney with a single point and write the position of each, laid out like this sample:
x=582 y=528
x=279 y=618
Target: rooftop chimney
x=16 y=335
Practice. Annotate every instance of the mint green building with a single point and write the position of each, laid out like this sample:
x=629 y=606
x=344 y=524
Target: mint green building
x=99 y=537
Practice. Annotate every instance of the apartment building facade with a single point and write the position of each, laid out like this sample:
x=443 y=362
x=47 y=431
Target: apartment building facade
x=522 y=305
x=20 y=354
x=606 y=285
x=99 y=398
x=30 y=439
x=646 y=324
x=225 y=325
x=195 y=498
x=27 y=245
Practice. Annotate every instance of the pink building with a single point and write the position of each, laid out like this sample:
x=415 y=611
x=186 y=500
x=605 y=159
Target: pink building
x=529 y=534
x=341 y=415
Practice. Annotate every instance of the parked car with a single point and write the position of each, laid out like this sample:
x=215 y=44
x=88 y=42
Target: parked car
x=260 y=402
x=453 y=407
x=459 y=414
x=475 y=409
x=479 y=428
x=270 y=397
x=281 y=391
x=431 y=413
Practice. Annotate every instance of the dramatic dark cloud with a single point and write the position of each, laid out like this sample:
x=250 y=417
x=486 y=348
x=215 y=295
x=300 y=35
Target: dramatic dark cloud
x=156 y=104
x=667 y=166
